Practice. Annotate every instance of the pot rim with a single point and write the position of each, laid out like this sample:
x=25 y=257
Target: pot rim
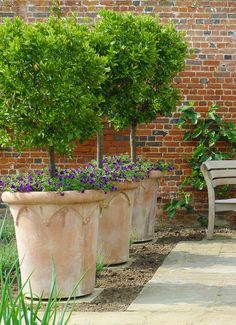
x=155 y=174
x=53 y=197
x=126 y=185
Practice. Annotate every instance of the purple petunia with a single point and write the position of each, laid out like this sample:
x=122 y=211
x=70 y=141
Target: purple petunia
x=116 y=169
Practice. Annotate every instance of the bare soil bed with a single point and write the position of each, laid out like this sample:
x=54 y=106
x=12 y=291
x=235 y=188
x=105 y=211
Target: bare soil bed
x=122 y=284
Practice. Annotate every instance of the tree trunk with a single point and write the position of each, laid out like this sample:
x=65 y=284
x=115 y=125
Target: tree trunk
x=100 y=148
x=133 y=142
x=52 y=165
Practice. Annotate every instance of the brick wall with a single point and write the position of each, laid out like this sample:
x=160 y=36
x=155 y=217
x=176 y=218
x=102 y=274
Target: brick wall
x=209 y=77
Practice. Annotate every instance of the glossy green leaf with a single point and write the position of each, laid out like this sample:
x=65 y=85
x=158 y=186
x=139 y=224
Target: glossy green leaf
x=187 y=135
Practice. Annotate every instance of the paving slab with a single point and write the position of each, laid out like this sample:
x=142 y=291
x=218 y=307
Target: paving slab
x=210 y=317
x=195 y=277
x=136 y=318
x=182 y=276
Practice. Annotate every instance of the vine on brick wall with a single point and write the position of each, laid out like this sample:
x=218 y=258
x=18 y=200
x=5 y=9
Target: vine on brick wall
x=207 y=132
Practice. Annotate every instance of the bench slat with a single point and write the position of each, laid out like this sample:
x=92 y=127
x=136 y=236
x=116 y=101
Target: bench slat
x=220 y=164
x=225 y=207
x=223 y=181
x=232 y=201
x=220 y=173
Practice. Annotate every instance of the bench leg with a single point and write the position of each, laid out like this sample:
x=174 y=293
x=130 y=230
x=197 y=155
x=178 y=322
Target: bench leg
x=211 y=222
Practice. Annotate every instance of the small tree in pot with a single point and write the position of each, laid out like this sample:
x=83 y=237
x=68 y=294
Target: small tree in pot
x=48 y=79
x=144 y=56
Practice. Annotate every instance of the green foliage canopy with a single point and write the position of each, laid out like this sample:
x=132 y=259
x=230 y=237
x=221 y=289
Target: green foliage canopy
x=49 y=77
x=143 y=56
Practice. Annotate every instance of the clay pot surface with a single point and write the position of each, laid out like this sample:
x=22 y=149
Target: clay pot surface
x=115 y=223
x=145 y=208
x=56 y=229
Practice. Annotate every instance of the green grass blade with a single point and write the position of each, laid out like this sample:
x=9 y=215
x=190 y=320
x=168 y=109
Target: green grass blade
x=62 y=320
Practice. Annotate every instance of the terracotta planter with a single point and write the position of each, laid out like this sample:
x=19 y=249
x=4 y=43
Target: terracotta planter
x=63 y=229
x=145 y=207
x=114 y=225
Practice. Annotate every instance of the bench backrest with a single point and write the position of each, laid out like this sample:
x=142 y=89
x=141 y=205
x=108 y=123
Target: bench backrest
x=220 y=172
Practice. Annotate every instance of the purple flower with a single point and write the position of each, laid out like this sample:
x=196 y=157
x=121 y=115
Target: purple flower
x=117 y=169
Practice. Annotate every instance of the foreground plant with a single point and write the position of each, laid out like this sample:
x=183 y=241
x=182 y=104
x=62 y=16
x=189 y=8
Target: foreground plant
x=15 y=309
x=8 y=250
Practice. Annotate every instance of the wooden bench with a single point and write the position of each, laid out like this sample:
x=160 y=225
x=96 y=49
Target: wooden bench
x=218 y=172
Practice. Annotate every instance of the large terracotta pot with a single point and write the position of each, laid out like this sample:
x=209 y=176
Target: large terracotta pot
x=60 y=230
x=114 y=225
x=145 y=208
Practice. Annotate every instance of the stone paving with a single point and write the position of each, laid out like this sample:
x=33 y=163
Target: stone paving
x=196 y=285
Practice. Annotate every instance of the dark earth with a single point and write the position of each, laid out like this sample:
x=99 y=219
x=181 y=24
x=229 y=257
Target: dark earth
x=122 y=284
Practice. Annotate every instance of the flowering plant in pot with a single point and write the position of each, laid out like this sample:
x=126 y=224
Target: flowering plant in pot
x=143 y=56
x=117 y=209
x=115 y=222
x=49 y=79
x=145 y=199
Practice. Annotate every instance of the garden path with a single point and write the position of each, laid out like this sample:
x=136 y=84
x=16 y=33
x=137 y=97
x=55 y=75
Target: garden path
x=196 y=285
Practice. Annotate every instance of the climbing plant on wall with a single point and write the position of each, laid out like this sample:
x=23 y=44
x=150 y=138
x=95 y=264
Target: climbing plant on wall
x=207 y=132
